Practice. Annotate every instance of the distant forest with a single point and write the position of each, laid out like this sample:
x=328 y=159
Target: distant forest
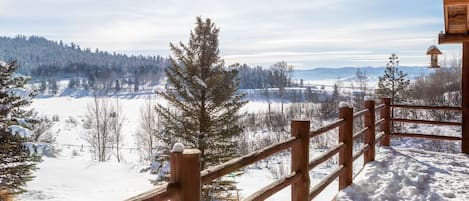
x=48 y=62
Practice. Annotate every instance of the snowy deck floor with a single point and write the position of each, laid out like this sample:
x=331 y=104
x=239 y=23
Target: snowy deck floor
x=410 y=174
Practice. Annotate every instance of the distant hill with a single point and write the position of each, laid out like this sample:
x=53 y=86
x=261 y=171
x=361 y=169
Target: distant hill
x=47 y=61
x=34 y=52
x=348 y=73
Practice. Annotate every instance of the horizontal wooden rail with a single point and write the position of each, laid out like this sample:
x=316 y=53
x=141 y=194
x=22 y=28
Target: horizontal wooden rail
x=232 y=165
x=325 y=156
x=419 y=121
x=380 y=106
x=379 y=122
x=360 y=113
x=358 y=154
x=421 y=107
x=327 y=127
x=426 y=136
x=164 y=192
x=325 y=182
x=360 y=133
x=274 y=187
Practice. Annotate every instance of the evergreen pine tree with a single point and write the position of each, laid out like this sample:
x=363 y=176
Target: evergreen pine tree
x=394 y=82
x=42 y=86
x=203 y=103
x=53 y=88
x=16 y=162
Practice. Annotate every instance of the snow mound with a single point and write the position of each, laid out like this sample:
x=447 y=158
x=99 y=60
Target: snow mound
x=178 y=148
x=344 y=104
x=410 y=174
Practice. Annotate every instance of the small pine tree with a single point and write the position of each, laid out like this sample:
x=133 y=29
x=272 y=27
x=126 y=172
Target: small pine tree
x=16 y=162
x=118 y=85
x=136 y=84
x=394 y=82
x=72 y=83
x=203 y=100
x=335 y=93
x=53 y=88
x=42 y=86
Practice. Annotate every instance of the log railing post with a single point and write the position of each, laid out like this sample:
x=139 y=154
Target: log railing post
x=300 y=160
x=386 y=126
x=370 y=135
x=185 y=172
x=465 y=99
x=346 y=137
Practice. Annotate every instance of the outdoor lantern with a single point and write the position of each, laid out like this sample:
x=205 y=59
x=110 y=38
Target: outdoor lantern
x=433 y=51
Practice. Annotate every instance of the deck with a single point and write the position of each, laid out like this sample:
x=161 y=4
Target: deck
x=411 y=174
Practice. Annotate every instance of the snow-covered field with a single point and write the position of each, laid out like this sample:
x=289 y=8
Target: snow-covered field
x=76 y=179
x=74 y=175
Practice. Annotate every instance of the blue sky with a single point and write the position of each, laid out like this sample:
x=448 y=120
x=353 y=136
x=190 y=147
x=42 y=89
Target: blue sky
x=307 y=34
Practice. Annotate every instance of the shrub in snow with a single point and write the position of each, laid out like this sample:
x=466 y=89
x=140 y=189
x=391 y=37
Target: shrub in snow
x=55 y=118
x=71 y=120
x=75 y=153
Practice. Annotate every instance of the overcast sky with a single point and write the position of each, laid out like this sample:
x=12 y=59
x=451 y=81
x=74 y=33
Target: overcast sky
x=307 y=34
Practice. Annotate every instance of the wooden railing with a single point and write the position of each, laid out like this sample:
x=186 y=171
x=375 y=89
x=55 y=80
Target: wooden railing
x=186 y=177
x=420 y=121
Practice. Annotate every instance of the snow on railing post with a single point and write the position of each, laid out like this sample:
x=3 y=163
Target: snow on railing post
x=346 y=137
x=370 y=134
x=300 y=160
x=185 y=172
x=386 y=126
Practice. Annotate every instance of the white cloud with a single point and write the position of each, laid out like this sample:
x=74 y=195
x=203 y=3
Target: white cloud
x=308 y=33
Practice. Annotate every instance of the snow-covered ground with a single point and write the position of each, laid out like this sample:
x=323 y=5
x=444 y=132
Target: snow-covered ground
x=71 y=179
x=411 y=174
x=74 y=175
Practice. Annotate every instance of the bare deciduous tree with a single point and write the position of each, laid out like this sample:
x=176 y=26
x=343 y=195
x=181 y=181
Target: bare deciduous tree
x=117 y=119
x=281 y=78
x=100 y=133
x=40 y=132
x=150 y=126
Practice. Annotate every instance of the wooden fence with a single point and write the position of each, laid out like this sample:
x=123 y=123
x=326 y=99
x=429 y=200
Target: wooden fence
x=186 y=177
x=420 y=121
